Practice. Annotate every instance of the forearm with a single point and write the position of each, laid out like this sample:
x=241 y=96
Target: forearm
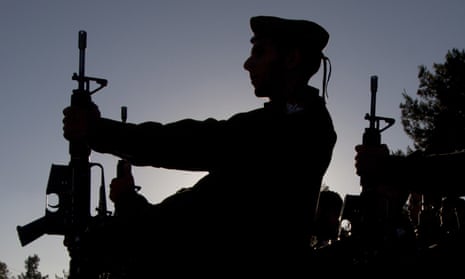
x=437 y=174
x=186 y=144
x=125 y=140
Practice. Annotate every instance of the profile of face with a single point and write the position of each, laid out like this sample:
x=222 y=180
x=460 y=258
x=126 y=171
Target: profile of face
x=266 y=68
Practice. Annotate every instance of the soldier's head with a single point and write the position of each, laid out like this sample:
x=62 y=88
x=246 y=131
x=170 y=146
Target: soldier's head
x=284 y=47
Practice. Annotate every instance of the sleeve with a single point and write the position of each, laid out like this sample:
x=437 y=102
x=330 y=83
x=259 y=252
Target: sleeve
x=120 y=139
x=162 y=145
x=442 y=174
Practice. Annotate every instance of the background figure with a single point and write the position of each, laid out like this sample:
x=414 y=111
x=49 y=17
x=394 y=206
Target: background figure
x=435 y=199
x=452 y=215
x=327 y=218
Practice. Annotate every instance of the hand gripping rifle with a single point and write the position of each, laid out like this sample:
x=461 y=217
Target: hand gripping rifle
x=71 y=183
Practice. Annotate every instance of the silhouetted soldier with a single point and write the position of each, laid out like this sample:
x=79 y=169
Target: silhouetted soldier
x=252 y=213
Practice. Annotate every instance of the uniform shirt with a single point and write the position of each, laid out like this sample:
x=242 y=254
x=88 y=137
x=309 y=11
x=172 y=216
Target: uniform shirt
x=265 y=170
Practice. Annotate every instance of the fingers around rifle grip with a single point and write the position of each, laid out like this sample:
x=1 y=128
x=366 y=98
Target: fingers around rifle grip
x=121 y=188
x=77 y=121
x=371 y=159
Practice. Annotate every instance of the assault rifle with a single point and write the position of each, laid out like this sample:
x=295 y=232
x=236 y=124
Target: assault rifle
x=70 y=216
x=367 y=212
x=374 y=210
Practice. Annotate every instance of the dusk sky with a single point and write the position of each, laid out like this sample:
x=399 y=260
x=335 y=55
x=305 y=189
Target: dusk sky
x=168 y=60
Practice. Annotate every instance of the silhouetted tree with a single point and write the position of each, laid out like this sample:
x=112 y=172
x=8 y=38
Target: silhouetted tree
x=4 y=272
x=436 y=121
x=65 y=275
x=32 y=269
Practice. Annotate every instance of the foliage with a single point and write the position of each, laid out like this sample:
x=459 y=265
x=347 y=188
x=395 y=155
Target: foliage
x=4 y=272
x=436 y=120
x=65 y=275
x=32 y=269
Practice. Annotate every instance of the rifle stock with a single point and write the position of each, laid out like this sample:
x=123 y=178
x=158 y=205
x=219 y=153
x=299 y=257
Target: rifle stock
x=56 y=215
x=33 y=230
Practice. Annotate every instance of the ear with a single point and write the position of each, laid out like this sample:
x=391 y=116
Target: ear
x=293 y=58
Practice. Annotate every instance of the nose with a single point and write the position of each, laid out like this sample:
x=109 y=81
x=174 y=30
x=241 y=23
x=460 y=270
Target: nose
x=247 y=64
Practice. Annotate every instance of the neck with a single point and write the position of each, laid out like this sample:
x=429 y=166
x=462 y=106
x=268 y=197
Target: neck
x=290 y=95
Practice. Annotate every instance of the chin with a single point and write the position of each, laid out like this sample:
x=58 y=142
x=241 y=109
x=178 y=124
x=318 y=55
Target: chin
x=261 y=93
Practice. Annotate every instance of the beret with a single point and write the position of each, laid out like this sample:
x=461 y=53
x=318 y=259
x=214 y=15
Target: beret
x=291 y=32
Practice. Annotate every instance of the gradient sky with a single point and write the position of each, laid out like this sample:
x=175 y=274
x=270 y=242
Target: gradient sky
x=167 y=60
